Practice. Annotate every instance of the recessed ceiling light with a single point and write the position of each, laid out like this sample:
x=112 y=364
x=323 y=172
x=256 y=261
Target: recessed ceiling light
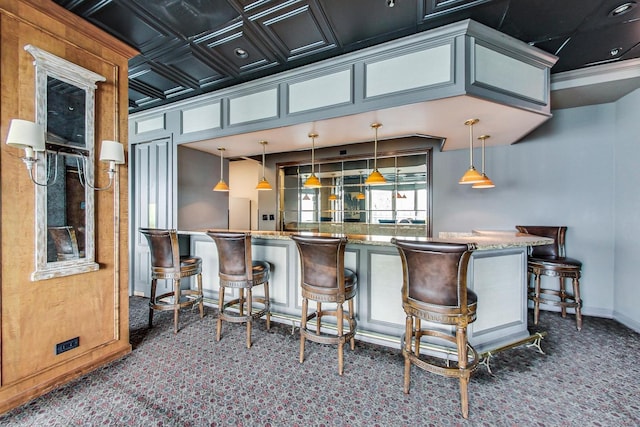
x=622 y=9
x=241 y=53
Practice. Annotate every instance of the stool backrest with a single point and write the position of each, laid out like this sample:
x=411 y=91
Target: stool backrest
x=553 y=250
x=435 y=273
x=163 y=248
x=234 y=255
x=321 y=260
x=64 y=238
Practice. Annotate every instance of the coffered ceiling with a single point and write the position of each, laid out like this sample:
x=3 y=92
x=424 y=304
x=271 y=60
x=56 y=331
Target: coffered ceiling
x=191 y=47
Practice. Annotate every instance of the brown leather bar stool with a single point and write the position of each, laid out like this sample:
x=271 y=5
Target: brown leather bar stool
x=167 y=264
x=550 y=260
x=238 y=270
x=324 y=279
x=65 y=241
x=434 y=289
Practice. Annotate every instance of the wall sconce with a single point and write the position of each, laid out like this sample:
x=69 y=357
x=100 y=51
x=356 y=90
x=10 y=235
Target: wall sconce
x=263 y=184
x=312 y=181
x=375 y=177
x=111 y=152
x=29 y=136
x=486 y=182
x=221 y=185
x=471 y=176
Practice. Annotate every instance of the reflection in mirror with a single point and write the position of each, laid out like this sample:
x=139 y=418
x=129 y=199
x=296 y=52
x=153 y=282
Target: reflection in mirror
x=65 y=103
x=344 y=204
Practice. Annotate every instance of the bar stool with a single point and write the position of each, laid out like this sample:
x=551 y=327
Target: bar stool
x=324 y=279
x=167 y=264
x=550 y=260
x=238 y=270
x=434 y=289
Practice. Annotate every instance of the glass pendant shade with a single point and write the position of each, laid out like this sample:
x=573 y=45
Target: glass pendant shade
x=375 y=177
x=486 y=182
x=312 y=181
x=360 y=196
x=221 y=185
x=263 y=184
x=471 y=176
x=333 y=197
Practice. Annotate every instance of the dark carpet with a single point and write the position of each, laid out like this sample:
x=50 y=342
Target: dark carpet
x=587 y=378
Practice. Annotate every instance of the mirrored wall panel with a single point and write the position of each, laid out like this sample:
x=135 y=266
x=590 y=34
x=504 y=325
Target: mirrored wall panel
x=345 y=204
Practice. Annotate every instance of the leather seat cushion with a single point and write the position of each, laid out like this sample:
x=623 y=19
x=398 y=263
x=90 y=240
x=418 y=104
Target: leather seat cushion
x=260 y=271
x=350 y=280
x=555 y=262
x=189 y=261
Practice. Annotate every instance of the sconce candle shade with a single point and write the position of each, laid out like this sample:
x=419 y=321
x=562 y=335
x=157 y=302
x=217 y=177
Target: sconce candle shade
x=375 y=177
x=263 y=184
x=27 y=135
x=221 y=185
x=471 y=176
x=112 y=151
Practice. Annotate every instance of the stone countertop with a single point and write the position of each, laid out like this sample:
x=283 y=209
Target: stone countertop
x=484 y=239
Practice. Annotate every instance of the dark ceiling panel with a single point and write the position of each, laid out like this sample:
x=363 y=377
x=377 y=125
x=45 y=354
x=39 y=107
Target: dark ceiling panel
x=191 y=17
x=296 y=30
x=189 y=47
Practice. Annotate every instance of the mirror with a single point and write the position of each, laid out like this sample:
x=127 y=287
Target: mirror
x=65 y=103
x=344 y=204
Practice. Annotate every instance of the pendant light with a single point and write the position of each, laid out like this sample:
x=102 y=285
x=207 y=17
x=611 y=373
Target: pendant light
x=471 y=176
x=221 y=185
x=360 y=195
x=375 y=178
x=263 y=184
x=312 y=181
x=486 y=182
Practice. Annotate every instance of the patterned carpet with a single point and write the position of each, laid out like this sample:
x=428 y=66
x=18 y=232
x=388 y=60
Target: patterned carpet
x=587 y=378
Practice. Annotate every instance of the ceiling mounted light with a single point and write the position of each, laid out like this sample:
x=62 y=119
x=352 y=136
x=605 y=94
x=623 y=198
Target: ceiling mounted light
x=241 y=53
x=221 y=185
x=312 y=181
x=486 y=182
x=375 y=177
x=471 y=176
x=622 y=9
x=263 y=184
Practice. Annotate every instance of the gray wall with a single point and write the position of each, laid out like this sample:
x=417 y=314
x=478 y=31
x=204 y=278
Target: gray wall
x=626 y=196
x=198 y=206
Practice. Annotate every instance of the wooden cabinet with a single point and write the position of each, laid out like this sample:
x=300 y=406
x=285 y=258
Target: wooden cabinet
x=91 y=307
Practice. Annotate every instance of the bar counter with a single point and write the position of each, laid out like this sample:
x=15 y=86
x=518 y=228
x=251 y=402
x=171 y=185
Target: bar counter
x=497 y=273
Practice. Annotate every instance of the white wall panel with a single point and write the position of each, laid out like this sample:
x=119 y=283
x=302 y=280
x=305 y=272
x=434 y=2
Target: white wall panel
x=500 y=71
x=385 y=290
x=257 y=106
x=201 y=118
x=320 y=92
x=418 y=69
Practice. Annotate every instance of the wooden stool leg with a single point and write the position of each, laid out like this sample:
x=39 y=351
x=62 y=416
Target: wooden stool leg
x=417 y=334
x=250 y=319
x=241 y=301
x=268 y=304
x=152 y=301
x=576 y=294
x=303 y=326
x=340 y=320
x=351 y=318
x=176 y=302
x=408 y=336
x=461 y=340
x=536 y=300
x=563 y=297
x=201 y=304
x=220 y=311
x=318 y=317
